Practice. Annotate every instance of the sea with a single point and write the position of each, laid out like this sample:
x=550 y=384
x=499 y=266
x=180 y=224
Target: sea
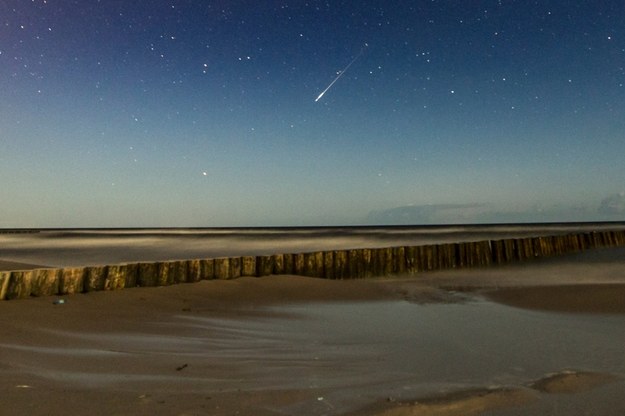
x=96 y=246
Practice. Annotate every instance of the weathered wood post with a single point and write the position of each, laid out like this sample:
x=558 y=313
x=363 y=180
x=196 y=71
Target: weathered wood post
x=95 y=277
x=248 y=266
x=194 y=268
x=298 y=264
x=313 y=264
x=484 y=253
x=278 y=264
x=121 y=276
x=45 y=282
x=328 y=265
x=354 y=264
x=399 y=260
x=115 y=277
x=377 y=265
x=388 y=262
x=428 y=257
x=289 y=263
x=411 y=260
x=264 y=265
x=19 y=286
x=4 y=284
x=207 y=266
x=147 y=275
x=340 y=264
x=235 y=267
x=166 y=273
x=510 y=250
x=222 y=268
x=367 y=262
x=72 y=280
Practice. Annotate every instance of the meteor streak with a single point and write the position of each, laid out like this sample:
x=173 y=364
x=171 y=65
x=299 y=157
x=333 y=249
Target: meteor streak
x=340 y=75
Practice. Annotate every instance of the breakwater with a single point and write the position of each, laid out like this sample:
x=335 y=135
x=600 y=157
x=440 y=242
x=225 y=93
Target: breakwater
x=333 y=264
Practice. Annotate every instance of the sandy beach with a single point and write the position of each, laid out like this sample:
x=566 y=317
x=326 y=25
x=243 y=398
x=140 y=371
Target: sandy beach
x=543 y=337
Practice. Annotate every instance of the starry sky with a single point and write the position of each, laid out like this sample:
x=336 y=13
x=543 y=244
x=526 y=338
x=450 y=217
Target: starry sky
x=118 y=113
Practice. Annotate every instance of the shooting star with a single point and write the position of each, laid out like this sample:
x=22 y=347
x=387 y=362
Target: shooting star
x=340 y=74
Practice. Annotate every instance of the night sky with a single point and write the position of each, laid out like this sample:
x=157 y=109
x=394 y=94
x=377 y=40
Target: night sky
x=202 y=113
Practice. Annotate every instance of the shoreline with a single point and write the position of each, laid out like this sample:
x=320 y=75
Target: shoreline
x=329 y=264
x=128 y=331
x=442 y=342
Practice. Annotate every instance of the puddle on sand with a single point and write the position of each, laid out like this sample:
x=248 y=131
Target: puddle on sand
x=354 y=352
x=370 y=350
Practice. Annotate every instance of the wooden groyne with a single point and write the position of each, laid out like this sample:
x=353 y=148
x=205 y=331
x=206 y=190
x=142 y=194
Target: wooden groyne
x=335 y=264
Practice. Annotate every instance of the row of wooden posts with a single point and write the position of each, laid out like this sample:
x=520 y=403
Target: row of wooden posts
x=336 y=264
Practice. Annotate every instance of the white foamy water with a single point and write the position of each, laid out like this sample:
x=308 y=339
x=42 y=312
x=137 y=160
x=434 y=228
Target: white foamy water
x=62 y=248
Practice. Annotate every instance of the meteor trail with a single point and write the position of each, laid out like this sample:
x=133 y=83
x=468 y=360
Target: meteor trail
x=340 y=75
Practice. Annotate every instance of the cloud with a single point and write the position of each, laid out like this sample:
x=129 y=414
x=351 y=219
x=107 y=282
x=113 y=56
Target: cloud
x=613 y=204
x=424 y=214
x=436 y=214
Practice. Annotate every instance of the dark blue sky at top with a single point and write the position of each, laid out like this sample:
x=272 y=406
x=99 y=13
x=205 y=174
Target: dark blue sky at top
x=189 y=113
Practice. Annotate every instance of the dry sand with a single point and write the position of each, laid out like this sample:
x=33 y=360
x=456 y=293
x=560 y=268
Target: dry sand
x=293 y=345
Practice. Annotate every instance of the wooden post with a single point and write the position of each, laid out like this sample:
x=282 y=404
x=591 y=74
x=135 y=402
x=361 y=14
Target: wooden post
x=298 y=264
x=19 y=284
x=354 y=264
x=328 y=265
x=278 y=264
x=95 y=277
x=388 y=261
x=72 y=280
x=132 y=274
x=411 y=260
x=207 y=267
x=235 y=267
x=45 y=282
x=194 y=268
x=428 y=254
x=313 y=264
x=289 y=263
x=367 y=262
x=377 y=266
x=509 y=250
x=248 y=266
x=264 y=265
x=4 y=284
x=462 y=254
x=487 y=253
x=340 y=264
x=222 y=268
x=166 y=273
x=148 y=275
x=449 y=255
x=399 y=260
x=121 y=276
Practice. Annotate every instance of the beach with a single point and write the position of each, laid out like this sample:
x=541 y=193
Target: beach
x=540 y=337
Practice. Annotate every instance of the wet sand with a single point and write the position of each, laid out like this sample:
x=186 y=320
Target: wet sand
x=540 y=338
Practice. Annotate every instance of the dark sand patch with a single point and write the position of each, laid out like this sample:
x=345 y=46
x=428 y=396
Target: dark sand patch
x=476 y=401
x=571 y=381
x=578 y=298
x=459 y=403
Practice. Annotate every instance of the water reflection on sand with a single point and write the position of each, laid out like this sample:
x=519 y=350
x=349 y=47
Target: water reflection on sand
x=355 y=352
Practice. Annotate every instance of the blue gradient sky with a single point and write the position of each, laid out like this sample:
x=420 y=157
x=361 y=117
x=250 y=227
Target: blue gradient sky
x=203 y=113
